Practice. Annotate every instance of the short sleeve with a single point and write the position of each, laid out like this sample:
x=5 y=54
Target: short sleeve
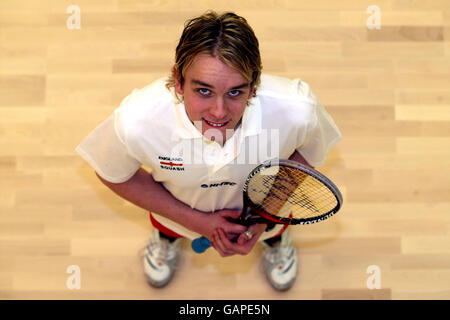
x=106 y=153
x=321 y=133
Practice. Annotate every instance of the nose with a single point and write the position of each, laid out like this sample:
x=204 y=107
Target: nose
x=218 y=109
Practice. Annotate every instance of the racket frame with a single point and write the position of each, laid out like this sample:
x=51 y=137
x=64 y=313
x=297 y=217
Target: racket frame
x=260 y=216
x=247 y=219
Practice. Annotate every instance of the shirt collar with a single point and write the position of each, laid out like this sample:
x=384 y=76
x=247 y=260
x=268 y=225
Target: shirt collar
x=184 y=128
x=252 y=119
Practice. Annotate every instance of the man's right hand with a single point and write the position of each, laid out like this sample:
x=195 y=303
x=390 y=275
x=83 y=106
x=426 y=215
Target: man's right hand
x=221 y=219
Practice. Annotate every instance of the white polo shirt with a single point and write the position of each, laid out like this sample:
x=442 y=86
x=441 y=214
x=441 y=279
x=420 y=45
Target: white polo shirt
x=152 y=129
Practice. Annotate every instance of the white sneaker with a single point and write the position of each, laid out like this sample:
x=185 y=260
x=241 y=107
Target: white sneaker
x=280 y=263
x=160 y=259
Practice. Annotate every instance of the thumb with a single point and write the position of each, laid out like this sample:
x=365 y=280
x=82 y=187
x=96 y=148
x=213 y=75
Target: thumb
x=233 y=214
x=231 y=227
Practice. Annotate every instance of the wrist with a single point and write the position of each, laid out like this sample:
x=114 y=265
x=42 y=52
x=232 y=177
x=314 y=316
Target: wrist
x=195 y=220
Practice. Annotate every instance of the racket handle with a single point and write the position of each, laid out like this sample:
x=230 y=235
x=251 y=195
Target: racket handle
x=200 y=245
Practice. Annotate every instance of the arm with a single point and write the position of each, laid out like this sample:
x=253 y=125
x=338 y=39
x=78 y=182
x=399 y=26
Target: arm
x=143 y=191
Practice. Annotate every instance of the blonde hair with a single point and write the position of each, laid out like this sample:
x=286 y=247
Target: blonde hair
x=228 y=37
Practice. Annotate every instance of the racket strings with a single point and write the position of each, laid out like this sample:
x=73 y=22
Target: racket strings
x=290 y=191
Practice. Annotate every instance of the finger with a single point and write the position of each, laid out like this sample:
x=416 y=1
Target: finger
x=220 y=240
x=232 y=247
x=247 y=243
x=243 y=239
x=214 y=245
x=223 y=254
x=253 y=231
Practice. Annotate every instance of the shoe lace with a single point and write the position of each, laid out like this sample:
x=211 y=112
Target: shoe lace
x=275 y=254
x=163 y=249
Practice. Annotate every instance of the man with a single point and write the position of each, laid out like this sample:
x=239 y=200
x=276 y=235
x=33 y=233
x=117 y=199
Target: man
x=200 y=133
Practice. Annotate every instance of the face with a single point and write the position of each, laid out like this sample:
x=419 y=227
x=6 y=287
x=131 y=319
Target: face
x=215 y=97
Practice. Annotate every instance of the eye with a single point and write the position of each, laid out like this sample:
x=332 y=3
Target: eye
x=234 y=93
x=204 y=92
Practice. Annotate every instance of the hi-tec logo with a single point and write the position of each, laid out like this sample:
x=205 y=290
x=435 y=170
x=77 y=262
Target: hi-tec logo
x=225 y=183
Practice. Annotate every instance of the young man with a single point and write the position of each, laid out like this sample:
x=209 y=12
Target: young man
x=200 y=132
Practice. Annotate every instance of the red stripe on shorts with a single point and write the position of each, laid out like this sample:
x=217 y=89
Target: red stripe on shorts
x=163 y=229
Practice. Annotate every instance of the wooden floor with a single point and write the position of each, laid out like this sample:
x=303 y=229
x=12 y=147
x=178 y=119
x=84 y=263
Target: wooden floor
x=387 y=89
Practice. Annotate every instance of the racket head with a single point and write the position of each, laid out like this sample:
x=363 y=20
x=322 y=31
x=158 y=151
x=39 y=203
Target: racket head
x=297 y=194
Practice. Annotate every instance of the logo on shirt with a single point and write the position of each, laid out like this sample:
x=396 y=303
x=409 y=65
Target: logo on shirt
x=211 y=185
x=169 y=163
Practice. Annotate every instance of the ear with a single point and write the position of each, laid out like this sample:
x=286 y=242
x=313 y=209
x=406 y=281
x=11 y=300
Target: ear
x=252 y=92
x=176 y=76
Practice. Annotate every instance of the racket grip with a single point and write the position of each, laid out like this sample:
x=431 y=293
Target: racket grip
x=200 y=245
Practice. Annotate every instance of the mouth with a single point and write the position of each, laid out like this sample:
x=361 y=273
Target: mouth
x=216 y=124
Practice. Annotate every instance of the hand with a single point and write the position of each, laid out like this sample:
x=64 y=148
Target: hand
x=221 y=219
x=227 y=247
